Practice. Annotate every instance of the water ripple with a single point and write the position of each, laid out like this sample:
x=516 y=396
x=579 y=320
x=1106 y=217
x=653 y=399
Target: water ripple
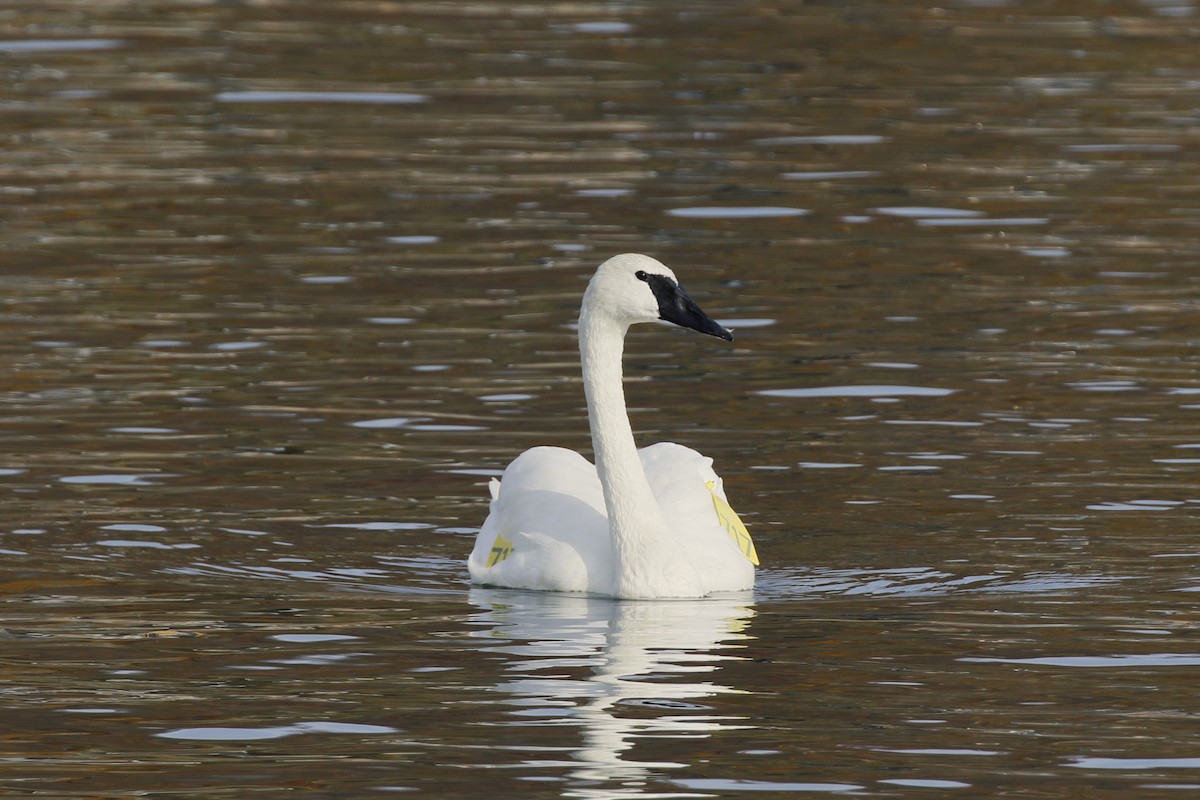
x=320 y=97
x=230 y=734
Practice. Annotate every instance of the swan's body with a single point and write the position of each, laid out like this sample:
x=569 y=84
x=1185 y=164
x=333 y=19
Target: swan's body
x=638 y=524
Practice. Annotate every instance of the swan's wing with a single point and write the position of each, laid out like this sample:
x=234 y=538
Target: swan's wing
x=547 y=528
x=693 y=498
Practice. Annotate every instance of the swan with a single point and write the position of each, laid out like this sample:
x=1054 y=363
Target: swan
x=639 y=524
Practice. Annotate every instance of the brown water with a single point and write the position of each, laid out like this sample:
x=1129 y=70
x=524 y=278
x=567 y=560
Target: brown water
x=285 y=282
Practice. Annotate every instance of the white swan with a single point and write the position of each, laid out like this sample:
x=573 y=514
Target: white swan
x=639 y=524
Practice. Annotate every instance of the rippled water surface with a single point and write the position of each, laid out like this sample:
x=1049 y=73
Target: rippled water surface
x=284 y=284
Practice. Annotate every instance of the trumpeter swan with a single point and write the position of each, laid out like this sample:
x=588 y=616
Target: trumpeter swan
x=640 y=523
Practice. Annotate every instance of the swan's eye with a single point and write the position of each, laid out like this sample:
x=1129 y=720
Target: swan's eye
x=641 y=275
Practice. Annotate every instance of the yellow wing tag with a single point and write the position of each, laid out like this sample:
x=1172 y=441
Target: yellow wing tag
x=502 y=548
x=732 y=525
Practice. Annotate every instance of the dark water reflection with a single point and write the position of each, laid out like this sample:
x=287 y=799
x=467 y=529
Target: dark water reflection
x=285 y=283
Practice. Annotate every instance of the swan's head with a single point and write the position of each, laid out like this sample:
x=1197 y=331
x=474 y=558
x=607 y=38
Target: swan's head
x=634 y=288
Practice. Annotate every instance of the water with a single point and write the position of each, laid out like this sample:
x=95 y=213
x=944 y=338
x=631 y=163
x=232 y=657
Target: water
x=284 y=285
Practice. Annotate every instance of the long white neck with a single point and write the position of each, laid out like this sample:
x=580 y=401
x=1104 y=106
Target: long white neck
x=641 y=550
x=635 y=518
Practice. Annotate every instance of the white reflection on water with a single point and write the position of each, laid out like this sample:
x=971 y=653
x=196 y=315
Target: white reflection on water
x=1136 y=660
x=618 y=671
x=132 y=479
x=790 y=584
x=741 y=786
x=860 y=391
x=1088 y=762
x=746 y=322
x=824 y=139
x=602 y=27
x=998 y=222
x=57 y=45
x=737 y=212
x=320 y=97
x=229 y=734
x=928 y=212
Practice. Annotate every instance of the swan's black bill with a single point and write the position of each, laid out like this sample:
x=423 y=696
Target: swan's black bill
x=675 y=306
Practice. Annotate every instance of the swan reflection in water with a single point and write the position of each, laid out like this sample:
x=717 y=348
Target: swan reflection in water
x=587 y=662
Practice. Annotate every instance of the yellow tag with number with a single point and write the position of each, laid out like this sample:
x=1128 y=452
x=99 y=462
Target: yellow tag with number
x=732 y=525
x=501 y=549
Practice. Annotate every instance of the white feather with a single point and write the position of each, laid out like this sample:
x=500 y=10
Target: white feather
x=641 y=525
